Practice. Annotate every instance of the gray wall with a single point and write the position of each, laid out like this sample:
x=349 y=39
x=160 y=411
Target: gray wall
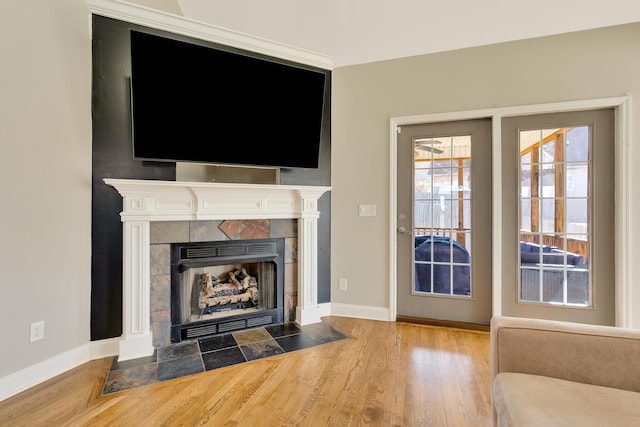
x=590 y=64
x=45 y=179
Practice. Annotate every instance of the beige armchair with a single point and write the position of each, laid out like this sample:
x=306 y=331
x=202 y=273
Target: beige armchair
x=549 y=373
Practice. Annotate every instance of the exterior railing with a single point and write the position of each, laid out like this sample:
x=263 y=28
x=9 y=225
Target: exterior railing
x=458 y=234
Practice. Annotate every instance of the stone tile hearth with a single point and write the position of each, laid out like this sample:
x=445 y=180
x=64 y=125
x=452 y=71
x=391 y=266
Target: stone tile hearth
x=206 y=354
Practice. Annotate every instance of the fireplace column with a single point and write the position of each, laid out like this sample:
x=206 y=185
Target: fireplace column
x=307 y=310
x=136 y=334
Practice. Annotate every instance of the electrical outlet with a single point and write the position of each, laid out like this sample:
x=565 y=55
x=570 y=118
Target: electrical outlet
x=36 y=331
x=343 y=284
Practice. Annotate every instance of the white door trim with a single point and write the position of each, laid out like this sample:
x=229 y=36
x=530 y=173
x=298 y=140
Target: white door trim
x=622 y=106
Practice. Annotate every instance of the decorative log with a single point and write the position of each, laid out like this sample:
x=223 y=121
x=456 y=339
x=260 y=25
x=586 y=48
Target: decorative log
x=239 y=287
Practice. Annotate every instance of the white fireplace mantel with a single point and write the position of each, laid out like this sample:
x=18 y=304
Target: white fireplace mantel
x=146 y=201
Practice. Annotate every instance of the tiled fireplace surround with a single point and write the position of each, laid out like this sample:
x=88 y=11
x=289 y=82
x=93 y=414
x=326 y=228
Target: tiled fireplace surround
x=163 y=234
x=168 y=211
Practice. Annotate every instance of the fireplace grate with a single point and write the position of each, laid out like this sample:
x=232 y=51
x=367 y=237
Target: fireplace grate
x=245 y=249
x=231 y=326
x=259 y=321
x=201 y=252
x=200 y=331
x=232 y=250
x=263 y=248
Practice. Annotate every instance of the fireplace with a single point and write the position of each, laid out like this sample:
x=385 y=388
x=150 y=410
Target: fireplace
x=159 y=201
x=223 y=286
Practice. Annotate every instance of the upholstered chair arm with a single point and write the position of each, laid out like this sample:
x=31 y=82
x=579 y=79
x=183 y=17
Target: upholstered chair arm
x=598 y=355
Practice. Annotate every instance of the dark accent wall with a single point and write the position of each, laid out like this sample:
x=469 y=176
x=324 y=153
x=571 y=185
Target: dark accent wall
x=320 y=176
x=113 y=158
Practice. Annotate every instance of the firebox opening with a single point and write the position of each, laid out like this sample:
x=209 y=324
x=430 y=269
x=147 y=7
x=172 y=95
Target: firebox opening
x=218 y=291
x=217 y=287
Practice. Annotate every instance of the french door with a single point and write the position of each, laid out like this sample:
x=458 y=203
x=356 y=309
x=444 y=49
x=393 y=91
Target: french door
x=444 y=221
x=558 y=216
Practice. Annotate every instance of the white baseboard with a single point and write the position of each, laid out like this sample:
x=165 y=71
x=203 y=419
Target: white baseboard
x=312 y=315
x=324 y=309
x=360 y=311
x=33 y=375
x=104 y=348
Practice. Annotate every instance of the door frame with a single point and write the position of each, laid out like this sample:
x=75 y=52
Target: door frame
x=622 y=125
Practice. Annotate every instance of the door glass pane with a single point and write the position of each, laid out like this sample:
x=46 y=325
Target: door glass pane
x=577 y=140
x=548 y=215
x=547 y=180
x=466 y=217
x=554 y=203
x=442 y=216
x=577 y=184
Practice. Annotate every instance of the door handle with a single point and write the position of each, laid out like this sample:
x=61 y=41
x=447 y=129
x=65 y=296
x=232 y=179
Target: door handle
x=403 y=230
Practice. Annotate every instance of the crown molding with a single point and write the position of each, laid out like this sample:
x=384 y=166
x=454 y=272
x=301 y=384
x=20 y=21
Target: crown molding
x=153 y=18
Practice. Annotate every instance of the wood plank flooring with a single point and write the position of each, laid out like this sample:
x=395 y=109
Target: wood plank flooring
x=385 y=374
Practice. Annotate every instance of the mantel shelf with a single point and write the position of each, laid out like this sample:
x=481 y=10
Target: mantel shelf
x=175 y=200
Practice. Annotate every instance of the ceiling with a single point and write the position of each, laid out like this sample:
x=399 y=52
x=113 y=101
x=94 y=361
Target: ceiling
x=360 y=31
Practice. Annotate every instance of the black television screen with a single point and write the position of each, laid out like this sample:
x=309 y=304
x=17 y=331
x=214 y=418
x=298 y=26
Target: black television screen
x=199 y=104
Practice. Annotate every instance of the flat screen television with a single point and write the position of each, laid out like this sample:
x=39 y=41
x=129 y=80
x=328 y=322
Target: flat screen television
x=195 y=103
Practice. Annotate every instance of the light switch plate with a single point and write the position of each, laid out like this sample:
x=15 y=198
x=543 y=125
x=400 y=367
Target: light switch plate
x=367 y=210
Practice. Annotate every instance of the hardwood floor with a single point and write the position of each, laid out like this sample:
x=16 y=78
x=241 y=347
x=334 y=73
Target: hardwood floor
x=385 y=374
